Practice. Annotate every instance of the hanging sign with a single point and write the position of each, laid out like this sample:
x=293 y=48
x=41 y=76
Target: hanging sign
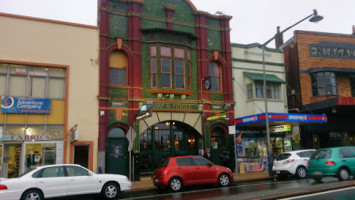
x=218 y=116
x=281 y=128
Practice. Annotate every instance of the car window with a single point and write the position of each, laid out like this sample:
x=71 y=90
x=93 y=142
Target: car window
x=346 y=153
x=306 y=154
x=76 y=171
x=50 y=172
x=283 y=156
x=201 y=161
x=163 y=163
x=322 y=154
x=184 y=161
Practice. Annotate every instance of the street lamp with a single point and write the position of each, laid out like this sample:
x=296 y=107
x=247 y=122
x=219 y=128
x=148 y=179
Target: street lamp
x=314 y=17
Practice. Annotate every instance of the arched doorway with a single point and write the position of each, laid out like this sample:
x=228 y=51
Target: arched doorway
x=165 y=139
x=116 y=152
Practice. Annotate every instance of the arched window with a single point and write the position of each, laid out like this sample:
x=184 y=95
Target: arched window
x=215 y=73
x=117 y=133
x=118 y=68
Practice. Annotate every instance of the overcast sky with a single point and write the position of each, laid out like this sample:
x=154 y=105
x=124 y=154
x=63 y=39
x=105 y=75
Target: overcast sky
x=253 y=20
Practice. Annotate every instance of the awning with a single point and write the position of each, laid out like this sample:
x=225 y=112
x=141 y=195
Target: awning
x=260 y=77
x=278 y=119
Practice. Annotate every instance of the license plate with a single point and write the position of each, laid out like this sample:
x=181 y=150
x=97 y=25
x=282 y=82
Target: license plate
x=317 y=173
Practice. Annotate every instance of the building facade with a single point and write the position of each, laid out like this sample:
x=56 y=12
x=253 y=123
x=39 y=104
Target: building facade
x=321 y=74
x=165 y=83
x=48 y=88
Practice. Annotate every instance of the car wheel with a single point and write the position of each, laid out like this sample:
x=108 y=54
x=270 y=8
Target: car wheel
x=301 y=172
x=223 y=180
x=317 y=179
x=175 y=184
x=343 y=174
x=32 y=195
x=110 y=190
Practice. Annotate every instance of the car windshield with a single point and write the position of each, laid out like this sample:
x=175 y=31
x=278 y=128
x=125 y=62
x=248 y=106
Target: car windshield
x=163 y=163
x=283 y=156
x=322 y=154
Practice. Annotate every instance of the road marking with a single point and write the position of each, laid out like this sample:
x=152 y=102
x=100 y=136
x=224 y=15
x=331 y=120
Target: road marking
x=319 y=193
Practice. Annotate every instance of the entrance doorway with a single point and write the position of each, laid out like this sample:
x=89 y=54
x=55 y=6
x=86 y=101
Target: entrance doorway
x=81 y=155
x=11 y=159
x=170 y=138
x=116 y=152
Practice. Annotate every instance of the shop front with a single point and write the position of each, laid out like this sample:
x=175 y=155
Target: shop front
x=251 y=137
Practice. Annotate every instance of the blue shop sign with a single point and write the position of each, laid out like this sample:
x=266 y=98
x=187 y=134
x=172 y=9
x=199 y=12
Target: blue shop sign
x=21 y=105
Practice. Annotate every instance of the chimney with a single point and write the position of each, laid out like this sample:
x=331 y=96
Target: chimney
x=279 y=40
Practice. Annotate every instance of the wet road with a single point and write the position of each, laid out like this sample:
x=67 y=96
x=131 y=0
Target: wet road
x=340 y=194
x=266 y=189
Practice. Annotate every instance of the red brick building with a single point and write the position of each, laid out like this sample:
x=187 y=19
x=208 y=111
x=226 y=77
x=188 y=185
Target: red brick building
x=320 y=70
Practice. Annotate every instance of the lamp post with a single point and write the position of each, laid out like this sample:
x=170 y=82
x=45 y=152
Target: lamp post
x=314 y=17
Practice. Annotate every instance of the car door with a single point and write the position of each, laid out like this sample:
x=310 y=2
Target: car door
x=52 y=181
x=205 y=171
x=81 y=181
x=186 y=170
x=347 y=158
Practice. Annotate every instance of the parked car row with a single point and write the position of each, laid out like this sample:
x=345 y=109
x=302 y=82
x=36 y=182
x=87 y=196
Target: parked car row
x=336 y=162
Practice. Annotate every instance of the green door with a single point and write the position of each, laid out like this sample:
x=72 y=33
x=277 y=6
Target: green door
x=117 y=156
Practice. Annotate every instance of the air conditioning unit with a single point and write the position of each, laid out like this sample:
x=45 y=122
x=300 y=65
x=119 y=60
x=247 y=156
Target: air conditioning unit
x=74 y=136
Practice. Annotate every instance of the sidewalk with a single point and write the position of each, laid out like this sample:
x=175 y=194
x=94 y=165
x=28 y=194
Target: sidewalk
x=146 y=183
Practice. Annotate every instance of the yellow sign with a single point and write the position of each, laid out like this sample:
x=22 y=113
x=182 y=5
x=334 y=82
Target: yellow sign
x=281 y=128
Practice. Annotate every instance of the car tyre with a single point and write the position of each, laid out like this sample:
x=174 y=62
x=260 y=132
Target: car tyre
x=175 y=184
x=301 y=172
x=223 y=180
x=110 y=191
x=32 y=194
x=343 y=174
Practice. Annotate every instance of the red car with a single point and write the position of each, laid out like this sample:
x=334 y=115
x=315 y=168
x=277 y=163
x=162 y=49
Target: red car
x=176 y=172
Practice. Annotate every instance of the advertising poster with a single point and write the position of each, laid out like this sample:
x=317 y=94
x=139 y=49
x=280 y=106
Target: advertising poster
x=25 y=105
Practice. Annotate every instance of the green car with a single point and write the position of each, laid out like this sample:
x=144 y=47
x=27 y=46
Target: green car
x=337 y=162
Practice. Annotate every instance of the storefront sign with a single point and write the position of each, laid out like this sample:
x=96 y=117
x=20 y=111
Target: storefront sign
x=281 y=128
x=281 y=117
x=170 y=106
x=26 y=137
x=332 y=50
x=25 y=105
x=215 y=117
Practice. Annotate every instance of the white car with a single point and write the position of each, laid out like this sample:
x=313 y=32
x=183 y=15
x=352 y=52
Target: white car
x=292 y=163
x=62 y=180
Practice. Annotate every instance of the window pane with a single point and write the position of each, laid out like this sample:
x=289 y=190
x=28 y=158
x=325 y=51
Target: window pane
x=38 y=87
x=154 y=80
x=269 y=91
x=153 y=50
x=179 y=53
x=250 y=91
x=154 y=65
x=118 y=76
x=323 y=83
x=56 y=88
x=56 y=72
x=215 y=74
x=276 y=91
x=18 y=86
x=259 y=90
x=179 y=67
x=215 y=84
x=77 y=171
x=53 y=172
x=165 y=51
x=165 y=80
x=14 y=130
x=55 y=132
x=2 y=85
x=165 y=65
x=179 y=81
x=3 y=68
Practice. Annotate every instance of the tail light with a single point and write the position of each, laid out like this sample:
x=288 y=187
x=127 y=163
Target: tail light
x=330 y=163
x=288 y=161
x=3 y=187
x=307 y=164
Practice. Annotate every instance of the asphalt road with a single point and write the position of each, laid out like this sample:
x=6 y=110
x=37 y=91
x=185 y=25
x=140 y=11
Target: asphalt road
x=339 y=194
x=265 y=189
